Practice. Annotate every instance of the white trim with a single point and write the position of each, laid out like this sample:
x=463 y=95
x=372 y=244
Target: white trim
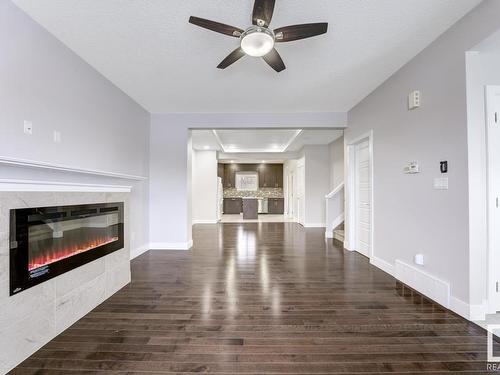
x=314 y=225
x=247 y=151
x=460 y=307
x=66 y=168
x=297 y=133
x=478 y=312
x=171 y=245
x=139 y=251
x=335 y=191
x=335 y=224
x=205 y=222
x=33 y=185
x=383 y=265
x=493 y=240
x=350 y=192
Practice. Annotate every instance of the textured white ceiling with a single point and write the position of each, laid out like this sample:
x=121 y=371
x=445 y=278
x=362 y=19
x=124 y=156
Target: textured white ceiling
x=150 y=51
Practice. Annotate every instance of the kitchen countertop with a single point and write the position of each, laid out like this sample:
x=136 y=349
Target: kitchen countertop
x=261 y=193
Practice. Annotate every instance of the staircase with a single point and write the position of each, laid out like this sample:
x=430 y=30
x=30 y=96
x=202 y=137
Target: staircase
x=335 y=214
x=338 y=233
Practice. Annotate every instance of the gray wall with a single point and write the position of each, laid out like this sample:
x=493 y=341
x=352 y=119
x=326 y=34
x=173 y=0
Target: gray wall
x=336 y=149
x=44 y=82
x=204 y=186
x=169 y=186
x=410 y=216
x=317 y=183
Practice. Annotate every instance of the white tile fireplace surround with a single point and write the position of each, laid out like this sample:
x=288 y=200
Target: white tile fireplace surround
x=30 y=319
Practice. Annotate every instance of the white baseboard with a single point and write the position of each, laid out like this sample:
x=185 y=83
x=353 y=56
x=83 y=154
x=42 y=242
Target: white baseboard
x=138 y=251
x=383 y=265
x=314 y=225
x=460 y=307
x=479 y=312
x=347 y=246
x=171 y=245
x=205 y=222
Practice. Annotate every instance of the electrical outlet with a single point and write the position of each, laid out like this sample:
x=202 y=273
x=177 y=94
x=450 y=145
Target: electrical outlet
x=57 y=136
x=28 y=127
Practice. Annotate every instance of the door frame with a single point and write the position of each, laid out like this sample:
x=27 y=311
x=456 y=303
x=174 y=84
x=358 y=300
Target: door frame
x=350 y=145
x=493 y=216
x=291 y=194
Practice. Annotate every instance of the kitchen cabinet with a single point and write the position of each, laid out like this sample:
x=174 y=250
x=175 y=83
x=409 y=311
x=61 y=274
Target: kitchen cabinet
x=233 y=206
x=276 y=206
x=278 y=175
x=270 y=175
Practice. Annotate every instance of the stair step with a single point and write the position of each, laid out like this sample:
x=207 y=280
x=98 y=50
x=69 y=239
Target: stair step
x=339 y=234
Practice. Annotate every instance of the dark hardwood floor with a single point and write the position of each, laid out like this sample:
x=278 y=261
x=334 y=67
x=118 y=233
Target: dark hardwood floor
x=263 y=298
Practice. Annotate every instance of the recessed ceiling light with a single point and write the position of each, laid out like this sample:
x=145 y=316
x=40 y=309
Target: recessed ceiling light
x=263 y=161
x=232 y=161
x=206 y=147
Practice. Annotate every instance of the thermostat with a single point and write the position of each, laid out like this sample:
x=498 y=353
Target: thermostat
x=412 y=168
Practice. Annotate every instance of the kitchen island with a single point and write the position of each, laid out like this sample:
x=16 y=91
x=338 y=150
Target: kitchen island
x=250 y=208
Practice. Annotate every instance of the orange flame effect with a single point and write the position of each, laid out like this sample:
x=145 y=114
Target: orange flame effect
x=55 y=255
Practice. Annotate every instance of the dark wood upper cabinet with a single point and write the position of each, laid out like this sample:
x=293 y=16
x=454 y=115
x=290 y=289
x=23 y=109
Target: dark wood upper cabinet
x=278 y=175
x=220 y=171
x=270 y=175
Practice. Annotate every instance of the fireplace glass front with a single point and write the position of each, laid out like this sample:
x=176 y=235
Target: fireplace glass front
x=49 y=241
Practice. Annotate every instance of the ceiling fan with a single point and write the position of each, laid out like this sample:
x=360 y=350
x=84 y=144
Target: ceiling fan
x=259 y=40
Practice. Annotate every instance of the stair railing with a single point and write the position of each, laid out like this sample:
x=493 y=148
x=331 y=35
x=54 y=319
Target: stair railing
x=334 y=209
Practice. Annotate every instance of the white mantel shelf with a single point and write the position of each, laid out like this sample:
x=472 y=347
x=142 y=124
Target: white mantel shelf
x=52 y=186
x=65 y=168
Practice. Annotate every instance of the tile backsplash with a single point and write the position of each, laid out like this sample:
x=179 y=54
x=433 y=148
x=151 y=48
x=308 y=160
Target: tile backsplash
x=261 y=193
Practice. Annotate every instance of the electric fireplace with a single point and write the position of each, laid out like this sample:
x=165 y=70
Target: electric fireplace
x=48 y=241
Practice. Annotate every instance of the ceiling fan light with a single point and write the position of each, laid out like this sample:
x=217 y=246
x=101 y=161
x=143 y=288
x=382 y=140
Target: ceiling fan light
x=257 y=42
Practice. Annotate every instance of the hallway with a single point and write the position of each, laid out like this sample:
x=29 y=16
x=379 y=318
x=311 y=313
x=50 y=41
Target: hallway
x=263 y=298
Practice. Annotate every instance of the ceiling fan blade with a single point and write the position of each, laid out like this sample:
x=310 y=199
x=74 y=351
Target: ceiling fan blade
x=296 y=32
x=232 y=58
x=263 y=11
x=274 y=60
x=216 y=26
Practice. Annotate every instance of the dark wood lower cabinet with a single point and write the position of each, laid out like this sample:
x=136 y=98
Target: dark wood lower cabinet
x=233 y=206
x=276 y=206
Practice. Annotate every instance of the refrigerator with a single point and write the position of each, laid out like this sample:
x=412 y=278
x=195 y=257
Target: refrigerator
x=220 y=198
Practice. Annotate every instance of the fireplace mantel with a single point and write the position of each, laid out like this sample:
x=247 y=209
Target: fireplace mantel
x=65 y=168
x=54 y=186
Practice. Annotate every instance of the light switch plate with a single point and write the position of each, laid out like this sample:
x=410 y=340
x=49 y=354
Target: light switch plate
x=441 y=183
x=414 y=100
x=28 y=127
x=57 y=136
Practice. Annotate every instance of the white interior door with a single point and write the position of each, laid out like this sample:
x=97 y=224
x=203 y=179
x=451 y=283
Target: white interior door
x=291 y=200
x=493 y=136
x=301 y=194
x=363 y=197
